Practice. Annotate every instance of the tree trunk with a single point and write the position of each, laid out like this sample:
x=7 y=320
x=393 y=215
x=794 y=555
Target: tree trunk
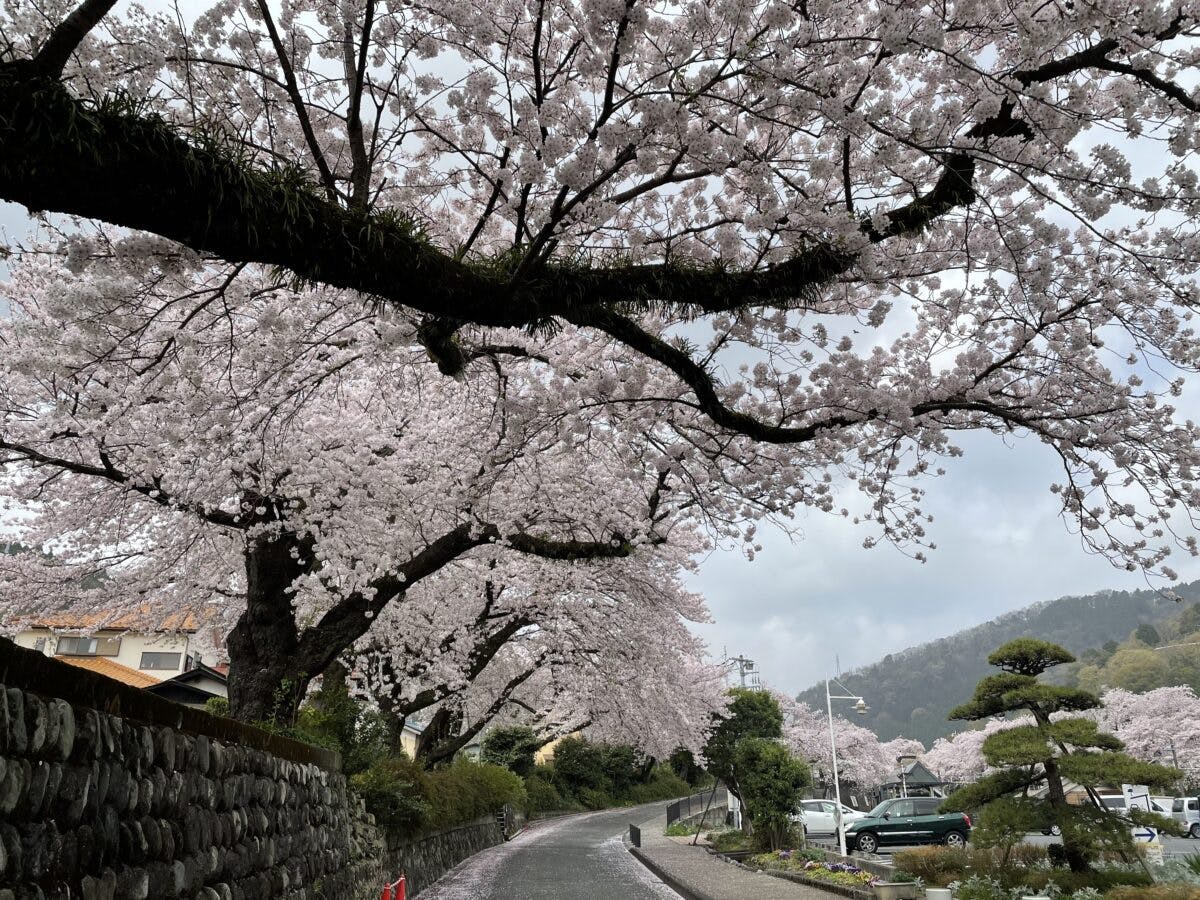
x=1075 y=856
x=267 y=679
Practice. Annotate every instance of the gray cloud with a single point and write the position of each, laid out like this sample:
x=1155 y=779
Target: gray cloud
x=801 y=605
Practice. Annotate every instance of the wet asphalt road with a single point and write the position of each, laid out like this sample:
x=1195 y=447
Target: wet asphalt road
x=572 y=858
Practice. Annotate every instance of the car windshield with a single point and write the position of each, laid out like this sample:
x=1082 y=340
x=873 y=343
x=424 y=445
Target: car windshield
x=880 y=809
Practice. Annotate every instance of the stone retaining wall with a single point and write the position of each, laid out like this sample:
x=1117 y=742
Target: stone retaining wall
x=426 y=859
x=107 y=792
x=110 y=793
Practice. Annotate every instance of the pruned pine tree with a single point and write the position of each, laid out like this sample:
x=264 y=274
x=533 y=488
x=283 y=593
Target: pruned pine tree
x=1033 y=762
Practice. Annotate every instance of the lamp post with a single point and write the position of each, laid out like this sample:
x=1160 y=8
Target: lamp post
x=860 y=707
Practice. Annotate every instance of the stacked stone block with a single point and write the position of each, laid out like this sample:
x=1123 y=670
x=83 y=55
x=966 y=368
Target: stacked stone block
x=104 y=808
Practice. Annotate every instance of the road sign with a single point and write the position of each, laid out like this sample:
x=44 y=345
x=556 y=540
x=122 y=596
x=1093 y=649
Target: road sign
x=1137 y=796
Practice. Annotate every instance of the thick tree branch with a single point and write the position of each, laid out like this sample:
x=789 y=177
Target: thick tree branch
x=350 y=619
x=108 y=162
x=446 y=748
x=107 y=472
x=52 y=58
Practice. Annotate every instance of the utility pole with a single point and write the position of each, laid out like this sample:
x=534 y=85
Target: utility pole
x=745 y=669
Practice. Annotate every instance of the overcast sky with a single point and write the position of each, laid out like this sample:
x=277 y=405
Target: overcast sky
x=800 y=606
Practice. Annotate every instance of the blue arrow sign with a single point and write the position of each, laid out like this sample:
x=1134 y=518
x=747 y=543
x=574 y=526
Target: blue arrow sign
x=1149 y=834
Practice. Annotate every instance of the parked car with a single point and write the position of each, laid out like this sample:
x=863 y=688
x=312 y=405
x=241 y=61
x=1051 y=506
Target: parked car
x=1117 y=803
x=911 y=820
x=1186 y=811
x=819 y=816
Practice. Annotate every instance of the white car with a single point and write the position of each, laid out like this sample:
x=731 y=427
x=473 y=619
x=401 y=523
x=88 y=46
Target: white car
x=818 y=816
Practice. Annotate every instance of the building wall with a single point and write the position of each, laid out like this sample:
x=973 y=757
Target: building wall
x=131 y=649
x=220 y=688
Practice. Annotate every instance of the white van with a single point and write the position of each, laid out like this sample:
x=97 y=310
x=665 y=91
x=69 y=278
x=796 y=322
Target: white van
x=1186 y=811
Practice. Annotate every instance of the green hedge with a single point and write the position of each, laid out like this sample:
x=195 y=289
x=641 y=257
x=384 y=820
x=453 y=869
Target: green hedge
x=399 y=793
x=591 y=775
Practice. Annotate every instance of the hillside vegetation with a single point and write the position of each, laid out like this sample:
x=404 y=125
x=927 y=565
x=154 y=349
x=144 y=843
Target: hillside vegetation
x=911 y=692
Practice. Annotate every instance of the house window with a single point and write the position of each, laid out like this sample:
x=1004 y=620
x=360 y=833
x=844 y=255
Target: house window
x=159 y=661
x=40 y=645
x=88 y=646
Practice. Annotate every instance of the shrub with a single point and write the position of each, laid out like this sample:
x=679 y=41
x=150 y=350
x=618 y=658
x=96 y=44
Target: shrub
x=542 y=796
x=513 y=748
x=936 y=866
x=399 y=793
x=394 y=792
x=730 y=841
x=577 y=766
x=770 y=779
x=1156 y=892
x=217 y=706
x=465 y=790
x=663 y=785
x=594 y=798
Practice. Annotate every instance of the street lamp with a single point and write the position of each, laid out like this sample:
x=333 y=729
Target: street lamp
x=860 y=707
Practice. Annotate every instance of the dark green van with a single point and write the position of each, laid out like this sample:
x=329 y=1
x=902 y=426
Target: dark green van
x=909 y=820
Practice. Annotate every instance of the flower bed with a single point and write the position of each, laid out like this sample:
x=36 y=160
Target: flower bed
x=809 y=865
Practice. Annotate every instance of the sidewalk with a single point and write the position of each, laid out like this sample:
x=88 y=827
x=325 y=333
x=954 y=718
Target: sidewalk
x=698 y=875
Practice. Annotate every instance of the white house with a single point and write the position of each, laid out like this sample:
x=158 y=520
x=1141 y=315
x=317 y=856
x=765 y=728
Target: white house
x=126 y=648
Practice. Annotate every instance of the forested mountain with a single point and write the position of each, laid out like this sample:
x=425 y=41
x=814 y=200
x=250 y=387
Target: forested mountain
x=910 y=692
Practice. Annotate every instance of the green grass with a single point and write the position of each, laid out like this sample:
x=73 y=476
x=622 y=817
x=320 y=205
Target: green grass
x=678 y=829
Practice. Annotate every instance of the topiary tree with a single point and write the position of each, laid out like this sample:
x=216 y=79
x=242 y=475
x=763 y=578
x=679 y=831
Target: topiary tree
x=512 y=747
x=770 y=779
x=1053 y=748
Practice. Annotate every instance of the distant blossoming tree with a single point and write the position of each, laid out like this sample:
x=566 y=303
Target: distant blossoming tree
x=863 y=759
x=605 y=651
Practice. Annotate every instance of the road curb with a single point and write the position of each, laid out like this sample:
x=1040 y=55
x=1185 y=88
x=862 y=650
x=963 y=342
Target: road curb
x=672 y=882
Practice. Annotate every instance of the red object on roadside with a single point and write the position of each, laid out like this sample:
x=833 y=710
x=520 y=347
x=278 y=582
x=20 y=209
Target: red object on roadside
x=396 y=891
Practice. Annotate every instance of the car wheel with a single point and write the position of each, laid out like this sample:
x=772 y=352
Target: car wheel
x=867 y=843
x=955 y=839
x=1055 y=830
x=1194 y=831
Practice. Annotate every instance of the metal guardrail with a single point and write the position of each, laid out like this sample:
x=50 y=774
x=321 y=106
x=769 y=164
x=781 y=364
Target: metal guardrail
x=695 y=804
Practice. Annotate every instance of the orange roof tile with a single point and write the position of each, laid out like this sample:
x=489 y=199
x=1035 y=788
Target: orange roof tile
x=110 y=669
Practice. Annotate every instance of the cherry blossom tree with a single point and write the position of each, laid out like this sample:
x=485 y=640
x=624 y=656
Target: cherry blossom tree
x=605 y=651
x=862 y=758
x=219 y=442
x=1162 y=726
x=959 y=757
x=906 y=219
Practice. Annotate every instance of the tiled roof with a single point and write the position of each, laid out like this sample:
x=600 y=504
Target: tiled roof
x=143 y=620
x=110 y=669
